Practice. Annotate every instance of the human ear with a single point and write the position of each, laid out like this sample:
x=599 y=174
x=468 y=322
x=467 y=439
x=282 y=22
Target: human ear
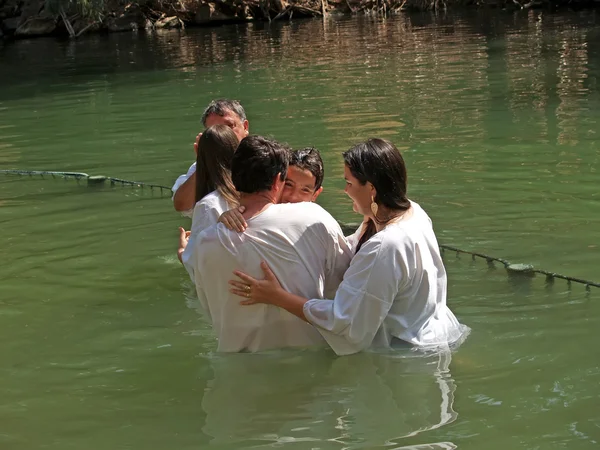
x=277 y=183
x=373 y=190
x=317 y=193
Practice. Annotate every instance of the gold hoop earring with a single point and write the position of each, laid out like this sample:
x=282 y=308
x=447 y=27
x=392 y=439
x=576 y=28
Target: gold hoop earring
x=374 y=207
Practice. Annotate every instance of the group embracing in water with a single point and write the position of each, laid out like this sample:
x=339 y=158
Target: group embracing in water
x=273 y=269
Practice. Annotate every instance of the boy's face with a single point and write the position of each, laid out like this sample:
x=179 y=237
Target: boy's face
x=299 y=186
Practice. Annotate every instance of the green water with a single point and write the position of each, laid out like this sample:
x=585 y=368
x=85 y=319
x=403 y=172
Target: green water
x=102 y=346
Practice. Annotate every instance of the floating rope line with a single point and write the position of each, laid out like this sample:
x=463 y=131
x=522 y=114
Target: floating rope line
x=522 y=269
x=516 y=269
x=92 y=180
x=525 y=269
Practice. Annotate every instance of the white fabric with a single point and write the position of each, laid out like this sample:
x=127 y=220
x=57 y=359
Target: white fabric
x=354 y=238
x=306 y=250
x=395 y=287
x=206 y=213
x=179 y=181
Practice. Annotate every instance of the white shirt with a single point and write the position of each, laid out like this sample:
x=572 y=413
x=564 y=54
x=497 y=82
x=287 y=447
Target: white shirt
x=395 y=287
x=206 y=213
x=306 y=249
x=179 y=181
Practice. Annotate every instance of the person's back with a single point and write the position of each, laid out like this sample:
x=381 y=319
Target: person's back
x=306 y=249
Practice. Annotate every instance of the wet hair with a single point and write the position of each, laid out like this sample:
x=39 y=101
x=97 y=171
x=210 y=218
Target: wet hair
x=256 y=163
x=309 y=158
x=379 y=162
x=221 y=106
x=216 y=148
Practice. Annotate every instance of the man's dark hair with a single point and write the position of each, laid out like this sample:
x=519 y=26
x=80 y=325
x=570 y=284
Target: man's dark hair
x=309 y=158
x=221 y=106
x=256 y=162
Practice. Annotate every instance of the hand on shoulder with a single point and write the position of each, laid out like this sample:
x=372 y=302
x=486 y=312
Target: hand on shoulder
x=234 y=220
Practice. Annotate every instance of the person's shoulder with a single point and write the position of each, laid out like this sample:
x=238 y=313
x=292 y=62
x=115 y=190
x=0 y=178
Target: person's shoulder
x=214 y=200
x=392 y=239
x=309 y=213
x=212 y=197
x=418 y=212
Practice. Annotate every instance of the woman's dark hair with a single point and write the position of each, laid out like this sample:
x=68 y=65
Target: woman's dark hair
x=380 y=163
x=216 y=148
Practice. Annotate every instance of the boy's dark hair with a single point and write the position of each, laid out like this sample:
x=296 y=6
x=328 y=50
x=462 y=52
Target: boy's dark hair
x=220 y=108
x=256 y=162
x=309 y=158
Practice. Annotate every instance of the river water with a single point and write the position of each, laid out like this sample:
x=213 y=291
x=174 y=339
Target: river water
x=102 y=345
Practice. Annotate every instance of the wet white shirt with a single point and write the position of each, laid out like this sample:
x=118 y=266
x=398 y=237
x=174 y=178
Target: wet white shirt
x=306 y=249
x=206 y=213
x=179 y=181
x=395 y=288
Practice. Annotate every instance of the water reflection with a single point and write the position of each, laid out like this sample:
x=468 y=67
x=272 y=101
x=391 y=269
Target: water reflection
x=364 y=401
x=427 y=74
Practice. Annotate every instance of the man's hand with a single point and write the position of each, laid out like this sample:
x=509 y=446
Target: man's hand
x=197 y=142
x=184 y=238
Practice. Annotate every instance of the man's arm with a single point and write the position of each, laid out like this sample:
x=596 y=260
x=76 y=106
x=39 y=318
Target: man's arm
x=185 y=196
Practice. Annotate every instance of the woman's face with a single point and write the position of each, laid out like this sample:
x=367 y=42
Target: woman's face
x=361 y=195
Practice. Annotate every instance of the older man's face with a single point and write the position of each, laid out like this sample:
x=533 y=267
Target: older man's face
x=232 y=120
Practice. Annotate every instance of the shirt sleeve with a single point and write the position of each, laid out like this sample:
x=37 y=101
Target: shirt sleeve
x=189 y=261
x=180 y=180
x=183 y=178
x=350 y=322
x=203 y=217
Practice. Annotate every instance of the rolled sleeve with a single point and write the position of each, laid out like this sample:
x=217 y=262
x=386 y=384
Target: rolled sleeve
x=350 y=322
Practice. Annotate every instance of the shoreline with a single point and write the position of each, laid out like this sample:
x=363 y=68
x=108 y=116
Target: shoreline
x=33 y=18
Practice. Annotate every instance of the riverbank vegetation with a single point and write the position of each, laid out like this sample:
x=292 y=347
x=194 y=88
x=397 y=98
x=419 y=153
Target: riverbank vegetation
x=26 y=18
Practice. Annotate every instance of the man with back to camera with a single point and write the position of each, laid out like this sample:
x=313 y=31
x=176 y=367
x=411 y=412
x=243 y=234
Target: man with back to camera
x=301 y=242
x=218 y=112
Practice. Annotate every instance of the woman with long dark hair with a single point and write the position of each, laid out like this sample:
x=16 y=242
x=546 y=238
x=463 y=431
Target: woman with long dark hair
x=215 y=192
x=395 y=288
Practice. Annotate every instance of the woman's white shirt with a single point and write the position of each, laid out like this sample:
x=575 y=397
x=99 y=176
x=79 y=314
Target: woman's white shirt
x=206 y=214
x=395 y=287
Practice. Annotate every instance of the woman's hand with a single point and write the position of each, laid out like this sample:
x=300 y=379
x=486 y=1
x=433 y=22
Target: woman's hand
x=234 y=220
x=256 y=291
x=184 y=237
